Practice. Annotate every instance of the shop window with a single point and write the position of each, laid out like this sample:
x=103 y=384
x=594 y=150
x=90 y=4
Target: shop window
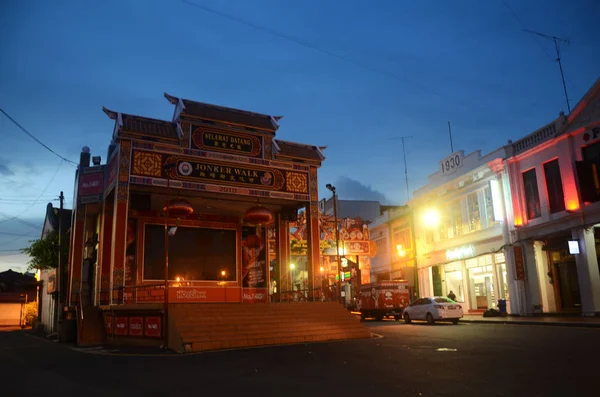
x=194 y=253
x=456 y=218
x=473 y=211
x=532 y=197
x=556 y=196
x=489 y=206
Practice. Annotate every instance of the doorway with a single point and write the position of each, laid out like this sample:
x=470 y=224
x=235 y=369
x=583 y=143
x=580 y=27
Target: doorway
x=567 y=285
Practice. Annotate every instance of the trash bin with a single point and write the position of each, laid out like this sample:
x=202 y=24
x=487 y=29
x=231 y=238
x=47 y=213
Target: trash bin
x=502 y=306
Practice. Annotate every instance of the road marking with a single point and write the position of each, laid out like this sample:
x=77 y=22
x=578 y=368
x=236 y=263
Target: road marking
x=445 y=349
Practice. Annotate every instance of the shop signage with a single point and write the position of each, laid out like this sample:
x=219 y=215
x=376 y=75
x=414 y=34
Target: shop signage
x=356 y=248
x=452 y=163
x=243 y=144
x=594 y=135
x=136 y=326
x=91 y=184
x=254 y=295
x=121 y=325
x=204 y=294
x=466 y=251
x=51 y=281
x=153 y=326
x=177 y=167
x=519 y=263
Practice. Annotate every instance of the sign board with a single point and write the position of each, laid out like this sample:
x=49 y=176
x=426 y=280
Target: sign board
x=136 y=326
x=227 y=141
x=452 y=163
x=121 y=325
x=153 y=326
x=91 y=184
x=51 y=286
x=519 y=263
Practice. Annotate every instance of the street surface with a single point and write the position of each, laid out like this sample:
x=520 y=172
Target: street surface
x=480 y=360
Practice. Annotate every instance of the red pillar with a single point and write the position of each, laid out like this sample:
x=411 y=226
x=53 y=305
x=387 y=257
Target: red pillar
x=120 y=223
x=105 y=251
x=313 y=233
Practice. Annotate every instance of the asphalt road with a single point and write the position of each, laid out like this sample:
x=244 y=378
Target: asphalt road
x=480 y=360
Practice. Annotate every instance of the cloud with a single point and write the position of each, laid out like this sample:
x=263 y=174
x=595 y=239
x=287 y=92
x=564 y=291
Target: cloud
x=351 y=189
x=4 y=170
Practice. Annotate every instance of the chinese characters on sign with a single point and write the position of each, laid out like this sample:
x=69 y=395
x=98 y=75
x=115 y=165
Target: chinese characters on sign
x=177 y=167
x=242 y=144
x=519 y=263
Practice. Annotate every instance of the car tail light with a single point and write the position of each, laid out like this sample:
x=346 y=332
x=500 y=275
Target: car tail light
x=438 y=306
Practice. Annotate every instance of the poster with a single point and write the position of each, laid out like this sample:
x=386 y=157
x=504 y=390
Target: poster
x=254 y=264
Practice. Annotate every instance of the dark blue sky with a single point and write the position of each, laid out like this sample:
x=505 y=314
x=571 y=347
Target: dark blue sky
x=400 y=68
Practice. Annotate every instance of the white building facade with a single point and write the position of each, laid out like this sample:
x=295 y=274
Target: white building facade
x=462 y=234
x=554 y=176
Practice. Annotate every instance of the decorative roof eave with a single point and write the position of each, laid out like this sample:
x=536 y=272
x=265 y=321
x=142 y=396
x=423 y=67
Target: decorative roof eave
x=118 y=121
x=317 y=149
x=179 y=106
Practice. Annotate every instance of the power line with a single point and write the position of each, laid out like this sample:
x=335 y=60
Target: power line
x=311 y=46
x=34 y=138
x=18 y=235
x=19 y=183
x=38 y=199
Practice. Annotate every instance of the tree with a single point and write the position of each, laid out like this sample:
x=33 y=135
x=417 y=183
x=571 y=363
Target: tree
x=44 y=252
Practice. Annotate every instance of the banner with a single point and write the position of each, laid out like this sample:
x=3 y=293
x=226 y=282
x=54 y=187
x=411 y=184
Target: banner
x=254 y=264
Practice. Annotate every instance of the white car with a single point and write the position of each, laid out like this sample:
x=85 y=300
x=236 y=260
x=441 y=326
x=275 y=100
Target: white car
x=432 y=309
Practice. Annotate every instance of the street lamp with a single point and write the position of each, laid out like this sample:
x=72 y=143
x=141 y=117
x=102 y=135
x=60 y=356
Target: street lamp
x=330 y=187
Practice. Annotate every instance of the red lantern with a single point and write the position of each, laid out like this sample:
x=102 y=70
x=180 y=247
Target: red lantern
x=179 y=208
x=258 y=215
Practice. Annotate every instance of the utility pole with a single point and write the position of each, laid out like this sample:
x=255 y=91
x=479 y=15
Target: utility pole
x=562 y=75
x=405 y=168
x=59 y=275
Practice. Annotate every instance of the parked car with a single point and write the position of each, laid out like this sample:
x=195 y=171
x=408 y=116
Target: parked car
x=432 y=309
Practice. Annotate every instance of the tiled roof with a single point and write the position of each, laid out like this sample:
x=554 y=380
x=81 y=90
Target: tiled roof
x=299 y=151
x=227 y=115
x=148 y=126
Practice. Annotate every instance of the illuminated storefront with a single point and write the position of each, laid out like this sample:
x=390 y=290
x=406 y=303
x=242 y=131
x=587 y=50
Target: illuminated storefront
x=461 y=231
x=193 y=210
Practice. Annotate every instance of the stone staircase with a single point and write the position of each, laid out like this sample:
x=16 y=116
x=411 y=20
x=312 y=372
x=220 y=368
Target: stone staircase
x=202 y=327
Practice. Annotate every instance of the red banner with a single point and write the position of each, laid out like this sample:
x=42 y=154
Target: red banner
x=153 y=327
x=519 y=263
x=91 y=184
x=121 y=325
x=136 y=326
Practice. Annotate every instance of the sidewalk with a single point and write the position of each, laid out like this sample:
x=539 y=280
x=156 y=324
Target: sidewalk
x=567 y=321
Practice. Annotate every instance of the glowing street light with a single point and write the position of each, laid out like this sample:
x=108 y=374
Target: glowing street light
x=431 y=218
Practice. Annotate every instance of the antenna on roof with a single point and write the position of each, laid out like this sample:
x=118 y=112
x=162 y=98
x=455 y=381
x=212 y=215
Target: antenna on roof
x=450 y=132
x=562 y=75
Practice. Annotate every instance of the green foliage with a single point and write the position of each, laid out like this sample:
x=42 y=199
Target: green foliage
x=44 y=252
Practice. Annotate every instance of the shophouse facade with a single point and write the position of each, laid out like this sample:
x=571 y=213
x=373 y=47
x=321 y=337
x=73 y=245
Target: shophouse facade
x=556 y=201
x=461 y=232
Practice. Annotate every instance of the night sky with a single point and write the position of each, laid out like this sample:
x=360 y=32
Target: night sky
x=343 y=75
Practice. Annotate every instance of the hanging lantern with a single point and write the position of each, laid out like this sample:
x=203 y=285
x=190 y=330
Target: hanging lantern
x=258 y=215
x=179 y=208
